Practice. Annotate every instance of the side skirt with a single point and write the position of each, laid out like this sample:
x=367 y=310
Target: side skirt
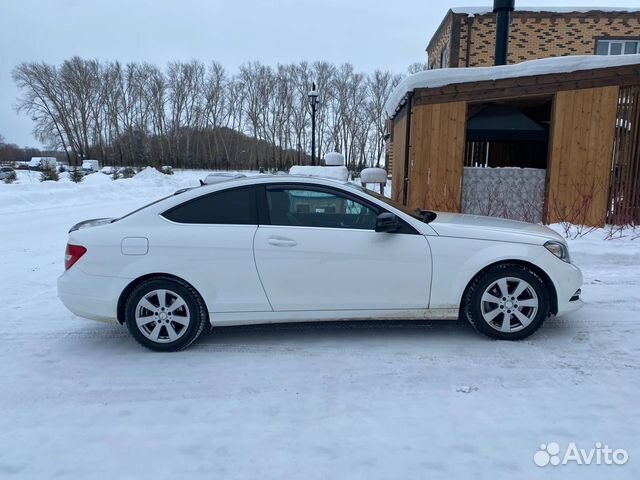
x=254 y=318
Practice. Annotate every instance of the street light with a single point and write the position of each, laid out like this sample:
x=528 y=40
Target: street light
x=313 y=100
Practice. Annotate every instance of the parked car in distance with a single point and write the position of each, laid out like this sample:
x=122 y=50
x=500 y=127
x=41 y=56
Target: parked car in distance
x=297 y=249
x=6 y=172
x=38 y=163
x=91 y=165
x=108 y=170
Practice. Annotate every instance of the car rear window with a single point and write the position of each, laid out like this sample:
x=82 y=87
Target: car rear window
x=236 y=206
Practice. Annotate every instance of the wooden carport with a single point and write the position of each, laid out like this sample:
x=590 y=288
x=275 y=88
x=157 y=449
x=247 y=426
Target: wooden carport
x=594 y=130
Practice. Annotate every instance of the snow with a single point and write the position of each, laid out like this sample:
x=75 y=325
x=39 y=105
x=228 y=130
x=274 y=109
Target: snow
x=96 y=179
x=334 y=159
x=81 y=400
x=473 y=11
x=449 y=76
x=335 y=173
x=373 y=175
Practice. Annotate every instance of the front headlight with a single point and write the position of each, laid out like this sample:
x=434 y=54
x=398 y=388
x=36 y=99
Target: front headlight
x=559 y=249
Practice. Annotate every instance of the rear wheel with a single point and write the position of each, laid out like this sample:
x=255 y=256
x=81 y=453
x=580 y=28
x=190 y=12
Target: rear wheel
x=165 y=314
x=507 y=302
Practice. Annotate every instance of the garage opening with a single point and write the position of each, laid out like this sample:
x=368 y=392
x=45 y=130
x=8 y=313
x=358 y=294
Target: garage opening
x=506 y=158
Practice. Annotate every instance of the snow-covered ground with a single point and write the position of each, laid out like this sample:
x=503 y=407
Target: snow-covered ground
x=82 y=400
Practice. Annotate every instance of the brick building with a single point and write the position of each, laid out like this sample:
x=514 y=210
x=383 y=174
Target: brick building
x=466 y=36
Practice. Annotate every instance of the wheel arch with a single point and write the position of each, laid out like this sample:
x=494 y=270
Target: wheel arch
x=122 y=299
x=539 y=271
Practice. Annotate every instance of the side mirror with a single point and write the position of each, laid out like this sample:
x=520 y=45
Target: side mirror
x=387 y=222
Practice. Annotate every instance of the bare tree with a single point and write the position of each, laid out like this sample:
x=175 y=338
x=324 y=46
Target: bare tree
x=416 y=67
x=194 y=115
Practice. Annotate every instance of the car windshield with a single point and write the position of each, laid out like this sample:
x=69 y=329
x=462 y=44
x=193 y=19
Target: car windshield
x=425 y=216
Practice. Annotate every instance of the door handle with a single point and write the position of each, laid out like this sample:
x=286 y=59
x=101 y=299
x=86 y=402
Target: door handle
x=281 y=242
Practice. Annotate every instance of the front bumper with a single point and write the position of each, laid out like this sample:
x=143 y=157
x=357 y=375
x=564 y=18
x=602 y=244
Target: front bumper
x=567 y=279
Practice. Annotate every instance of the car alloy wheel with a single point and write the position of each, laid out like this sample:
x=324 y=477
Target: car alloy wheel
x=162 y=316
x=165 y=314
x=507 y=301
x=509 y=304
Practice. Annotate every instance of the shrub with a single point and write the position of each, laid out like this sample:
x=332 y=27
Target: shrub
x=76 y=175
x=128 y=172
x=12 y=177
x=49 y=172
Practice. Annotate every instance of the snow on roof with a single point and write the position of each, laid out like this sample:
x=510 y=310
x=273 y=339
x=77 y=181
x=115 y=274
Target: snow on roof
x=472 y=11
x=334 y=173
x=449 y=76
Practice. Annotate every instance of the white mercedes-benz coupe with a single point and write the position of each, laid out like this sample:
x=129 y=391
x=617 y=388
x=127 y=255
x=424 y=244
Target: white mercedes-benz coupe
x=297 y=249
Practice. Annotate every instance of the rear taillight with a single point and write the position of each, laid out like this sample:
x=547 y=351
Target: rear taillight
x=72 y=255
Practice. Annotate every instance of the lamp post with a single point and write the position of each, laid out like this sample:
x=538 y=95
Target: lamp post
x=313 y=100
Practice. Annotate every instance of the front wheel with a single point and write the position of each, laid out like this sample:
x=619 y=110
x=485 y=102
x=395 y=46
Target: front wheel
x=507 y=302
x=165 y=314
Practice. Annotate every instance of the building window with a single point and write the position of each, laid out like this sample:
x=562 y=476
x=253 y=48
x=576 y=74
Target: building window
x=618 y=47
x=443 y=58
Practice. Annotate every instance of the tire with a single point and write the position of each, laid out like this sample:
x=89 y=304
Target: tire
x=507 y=302
x=165 y=315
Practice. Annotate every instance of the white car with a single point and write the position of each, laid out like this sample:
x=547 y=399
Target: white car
x=296 y=249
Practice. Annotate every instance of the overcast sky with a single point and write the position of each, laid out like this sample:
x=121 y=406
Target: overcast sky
x=371 y=34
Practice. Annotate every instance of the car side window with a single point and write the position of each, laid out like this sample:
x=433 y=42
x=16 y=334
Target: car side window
x=308 y=207
x=236 y=206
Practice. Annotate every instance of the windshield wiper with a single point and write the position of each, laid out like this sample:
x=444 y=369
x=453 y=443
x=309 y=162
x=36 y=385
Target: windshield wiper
x=427 y=215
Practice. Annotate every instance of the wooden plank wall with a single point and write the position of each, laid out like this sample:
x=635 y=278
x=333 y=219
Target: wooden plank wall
x=399 y=148
x=437 y=156
x=624 y=196
x=580 y=155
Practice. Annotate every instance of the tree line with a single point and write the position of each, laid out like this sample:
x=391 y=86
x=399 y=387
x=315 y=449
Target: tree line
x=192 y=115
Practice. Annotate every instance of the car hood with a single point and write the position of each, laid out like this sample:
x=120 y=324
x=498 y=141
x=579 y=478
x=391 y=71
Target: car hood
x=461 y=225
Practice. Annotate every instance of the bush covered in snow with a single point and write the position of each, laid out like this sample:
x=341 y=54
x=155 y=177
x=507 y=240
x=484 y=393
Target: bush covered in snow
x=12 y=177
x=128 y=172
x=49 y=172
x=76 y=175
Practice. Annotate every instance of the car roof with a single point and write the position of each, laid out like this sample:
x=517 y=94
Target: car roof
x=190 y=193
x=271 y=178
x=228 y=181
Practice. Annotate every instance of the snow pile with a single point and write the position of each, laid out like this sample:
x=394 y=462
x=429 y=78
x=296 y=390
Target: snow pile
x=335 y=173
x=373 y=175
x=96 y=179
x=473 y=11
x=333 y=159
x=29 y=191
x=149 y=173
x=449 y=76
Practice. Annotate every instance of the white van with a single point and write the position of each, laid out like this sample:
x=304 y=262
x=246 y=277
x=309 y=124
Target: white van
x=40 y=162
x=91 y=165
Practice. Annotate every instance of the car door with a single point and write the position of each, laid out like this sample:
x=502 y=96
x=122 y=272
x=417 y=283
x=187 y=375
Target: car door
x=209 y=242
x=318 y=250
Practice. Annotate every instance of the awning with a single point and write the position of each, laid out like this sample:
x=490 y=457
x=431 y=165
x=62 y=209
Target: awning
x=504 y=123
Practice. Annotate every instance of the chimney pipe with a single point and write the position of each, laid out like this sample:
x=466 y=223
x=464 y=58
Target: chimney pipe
x=502 y=9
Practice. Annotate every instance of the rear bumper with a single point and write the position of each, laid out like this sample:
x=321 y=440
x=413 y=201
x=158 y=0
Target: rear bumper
x=91 y=296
